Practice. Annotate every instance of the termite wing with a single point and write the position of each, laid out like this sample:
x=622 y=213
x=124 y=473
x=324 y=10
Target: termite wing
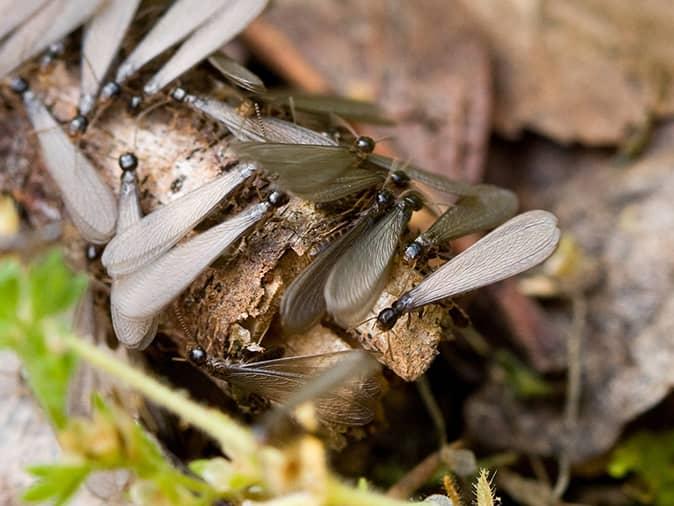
x=236 y=73
x=487 y=209
x=303 y=303
x=133 y=333
x=283 y=380
x=48 y=24
x=89 y=201
x=102 y=37
x=157 y=232
x=15 y=13
x=516 y=246
x=257 y=129
x=225 y=24
x=360 y=274
x=181 y=19
x=147 y=291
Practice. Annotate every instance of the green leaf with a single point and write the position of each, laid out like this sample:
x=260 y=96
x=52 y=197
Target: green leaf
x=56 y=483
x=10 y=289
x=53 y=287
x=524 y=381
x=649 y=457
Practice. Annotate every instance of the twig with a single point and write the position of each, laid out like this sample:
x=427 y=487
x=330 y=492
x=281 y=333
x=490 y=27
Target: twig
x=416 y=477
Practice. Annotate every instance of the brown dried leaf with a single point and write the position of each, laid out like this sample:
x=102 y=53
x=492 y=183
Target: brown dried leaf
x=628 y=344
x=579 y=70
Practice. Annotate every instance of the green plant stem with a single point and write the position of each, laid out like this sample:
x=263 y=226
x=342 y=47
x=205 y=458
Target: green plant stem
x=339 y=494
x=236 y=441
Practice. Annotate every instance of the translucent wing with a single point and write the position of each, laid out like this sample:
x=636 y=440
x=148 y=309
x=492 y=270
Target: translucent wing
x=102 y=37
x=284 y=380
x=344 y=107
x=164 y=227
x=87 y=198
x=351 y=182
x=265 y=129
x=236 y=73
x=132 y=333
x=178 y=22
x=146 y=292
x=215 y=33
x=362 y=271
x=303 y=303
x=301 y=169
x=15 y=13
x=51 y=23
x=516 y=246
x=428 y=178
x=472 y=214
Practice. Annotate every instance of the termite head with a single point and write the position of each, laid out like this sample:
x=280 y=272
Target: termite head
x=78 y=125
x=400 y=178
x=384 y=198
x=19 y=85
x=178 y=94
x=197 y=355
x=110 y=89
x=135 y=103
x=277 y=198
x=387 y=318
x=364 y=145
x=128 y=162
x=413 y=252
x=413 y=200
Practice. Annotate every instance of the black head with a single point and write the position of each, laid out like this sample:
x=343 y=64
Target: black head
x=364 y=144
x=78 y=124
x=413 y=200
x=384 y=198
x=91 y=252
x=128 y=161
x=277 y=198
x=197 y=355
x=178 y=94
x=412 y=252
x=387 y=318
x=111 y=89
x=135 y=102
x=19 y=85
x=400 y=178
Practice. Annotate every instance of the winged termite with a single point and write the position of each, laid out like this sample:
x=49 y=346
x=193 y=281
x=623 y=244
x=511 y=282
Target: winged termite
x=234 y=16
x=15 y=13
x=307 y=170
x=258 y=129
x=90 y=203
x=303 y=303
x=102 y=38
x=491 y=207
x=133 y=333
x=281 y=380
x=331 y=105
x=516 y=246
x=361 y=273
x=289 y=162
x=52 y=22
x=157 y=232
x=147 y=291
x=181 y=19
x=236 y=73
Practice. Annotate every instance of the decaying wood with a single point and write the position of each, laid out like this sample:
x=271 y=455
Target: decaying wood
x=233 y=306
